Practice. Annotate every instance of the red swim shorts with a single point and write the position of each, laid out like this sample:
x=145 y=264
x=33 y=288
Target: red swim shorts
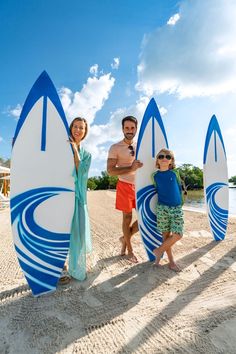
x=125 y=196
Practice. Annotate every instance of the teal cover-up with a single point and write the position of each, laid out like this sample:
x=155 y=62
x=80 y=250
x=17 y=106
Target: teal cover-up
x=80 y=240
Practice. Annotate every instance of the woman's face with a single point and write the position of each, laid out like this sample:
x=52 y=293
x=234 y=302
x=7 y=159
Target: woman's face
x=78 y=130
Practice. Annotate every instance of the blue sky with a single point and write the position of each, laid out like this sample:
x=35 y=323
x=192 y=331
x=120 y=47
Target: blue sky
x=108 y=58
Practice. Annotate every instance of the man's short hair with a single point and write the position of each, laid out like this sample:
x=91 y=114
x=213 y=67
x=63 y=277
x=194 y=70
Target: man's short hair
x=131 y=119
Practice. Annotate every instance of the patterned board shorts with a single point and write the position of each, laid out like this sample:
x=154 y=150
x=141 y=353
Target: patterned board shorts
x=170 y=219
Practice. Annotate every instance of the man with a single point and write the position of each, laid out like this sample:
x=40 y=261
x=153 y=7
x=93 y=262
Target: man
x=121 y=161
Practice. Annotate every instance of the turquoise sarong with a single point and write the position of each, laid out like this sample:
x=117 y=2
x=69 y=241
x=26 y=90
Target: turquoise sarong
x=80 y=239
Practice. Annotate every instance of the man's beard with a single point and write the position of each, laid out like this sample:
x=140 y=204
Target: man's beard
x=129 y=136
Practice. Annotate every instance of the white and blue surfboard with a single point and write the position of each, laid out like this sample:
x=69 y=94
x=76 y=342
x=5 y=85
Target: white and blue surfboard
x=216 y=180
x=151 y=139
x=42 y=187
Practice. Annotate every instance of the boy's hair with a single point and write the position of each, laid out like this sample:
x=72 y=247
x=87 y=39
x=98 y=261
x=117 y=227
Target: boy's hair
x=131 y=119
x=167 y=152
x=79 y=119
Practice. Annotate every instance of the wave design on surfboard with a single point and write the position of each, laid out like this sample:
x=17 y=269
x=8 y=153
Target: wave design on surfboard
x=146 y=194
x=218 y=217
x=41 y=253
x=151 y=236
x=216 y=180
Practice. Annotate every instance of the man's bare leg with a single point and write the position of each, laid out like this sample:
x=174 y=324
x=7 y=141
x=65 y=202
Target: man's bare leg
x=166 y=247
x=133 y=230
x=123 y=246
x=128 y=231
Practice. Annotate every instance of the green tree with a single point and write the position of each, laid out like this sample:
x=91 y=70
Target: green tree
x=113 y=182
x=191 y=176
x=103 y=181
x=5 y=163
x=92 y=183
x=233 y=180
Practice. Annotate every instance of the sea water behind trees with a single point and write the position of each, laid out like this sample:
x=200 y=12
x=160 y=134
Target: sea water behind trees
x=195 y=199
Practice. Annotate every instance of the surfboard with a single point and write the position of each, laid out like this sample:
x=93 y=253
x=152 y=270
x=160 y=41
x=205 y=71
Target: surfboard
x=151 y=139
x=215 y=174
x=42 y=187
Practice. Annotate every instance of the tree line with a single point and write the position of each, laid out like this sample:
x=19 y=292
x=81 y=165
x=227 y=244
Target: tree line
x=191 y=177
x=4 y=163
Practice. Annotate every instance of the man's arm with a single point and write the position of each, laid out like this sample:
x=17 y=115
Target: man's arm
x=113 y=170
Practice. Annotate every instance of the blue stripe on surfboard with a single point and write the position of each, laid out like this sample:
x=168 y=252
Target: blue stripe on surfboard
x=218 y=216
x=148 y=246
x=43 y=87
x=38 y=287
x=34 y=263
x=153 y=137
x=44 y=124
x=215 y=149
x=48 y=278
x=151 y=111
x=151 y=236
x=213 y=127
x=41 y=252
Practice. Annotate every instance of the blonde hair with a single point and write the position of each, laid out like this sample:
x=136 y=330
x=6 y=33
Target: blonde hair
x=172 y=165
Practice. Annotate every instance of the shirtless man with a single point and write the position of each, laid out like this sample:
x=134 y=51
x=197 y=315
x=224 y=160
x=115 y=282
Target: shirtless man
x=121 y=162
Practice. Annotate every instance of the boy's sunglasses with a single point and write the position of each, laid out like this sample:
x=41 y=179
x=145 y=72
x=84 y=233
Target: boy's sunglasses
x=130 y=147
x=161 y=157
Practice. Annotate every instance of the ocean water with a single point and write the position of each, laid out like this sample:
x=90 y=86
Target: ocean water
x=196 y=200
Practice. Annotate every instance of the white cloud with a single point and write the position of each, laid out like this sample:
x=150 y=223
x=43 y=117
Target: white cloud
x=89 y=100
x=173 y=20
x=100 y=137
x=94 y=69
x=15 y=112
x=195 y=56
x=116 y=63
x=1 y=139
x=229 y=141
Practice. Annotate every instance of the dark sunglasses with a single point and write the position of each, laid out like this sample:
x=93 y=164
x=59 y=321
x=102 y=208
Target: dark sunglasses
x=130 y=147
x=161 y=157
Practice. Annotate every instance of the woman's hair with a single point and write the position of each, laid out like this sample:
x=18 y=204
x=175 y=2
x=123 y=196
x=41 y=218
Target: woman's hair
x=79 y=119
x=167 y=152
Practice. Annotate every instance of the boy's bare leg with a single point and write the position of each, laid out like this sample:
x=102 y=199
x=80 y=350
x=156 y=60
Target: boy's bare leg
x=126 y=227
x=172 y=264
x=133 y=230
x=166 y=247
x=165 y=236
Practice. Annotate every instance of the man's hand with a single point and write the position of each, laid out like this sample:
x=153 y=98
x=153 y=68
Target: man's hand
x=136 y=164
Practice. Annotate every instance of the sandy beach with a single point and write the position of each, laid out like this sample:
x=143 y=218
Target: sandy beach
x=124 y=308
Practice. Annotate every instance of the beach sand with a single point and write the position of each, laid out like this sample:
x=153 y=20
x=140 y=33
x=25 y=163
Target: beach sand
x=124 y=308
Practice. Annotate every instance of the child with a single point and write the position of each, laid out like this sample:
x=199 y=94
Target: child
x=169 y=206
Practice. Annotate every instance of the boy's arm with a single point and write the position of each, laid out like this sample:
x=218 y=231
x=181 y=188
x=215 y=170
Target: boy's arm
x=180 y=184
x=153 y=179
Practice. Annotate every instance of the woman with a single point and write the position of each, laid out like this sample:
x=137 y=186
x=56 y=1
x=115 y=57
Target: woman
x=80 y=240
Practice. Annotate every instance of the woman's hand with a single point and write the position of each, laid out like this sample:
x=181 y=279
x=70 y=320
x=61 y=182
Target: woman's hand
x=76 y=152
